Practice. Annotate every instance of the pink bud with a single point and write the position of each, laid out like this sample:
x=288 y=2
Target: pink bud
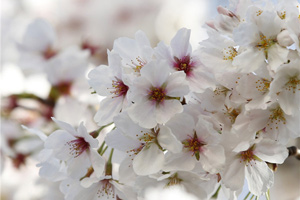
x=223 y=11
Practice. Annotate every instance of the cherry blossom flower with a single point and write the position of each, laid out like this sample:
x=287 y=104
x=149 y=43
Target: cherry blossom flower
x=67 y=66
x=76 y=147
x=274 y=123
x=286 y=87
x=109 y=81
x=257 y=40
x=156 y=94
x=218 y=52
x=250 y=161
x=181 y=58
x=144 y=146
x=37 y=46
x=134 y=53
x=200 y=144
x=188 y=181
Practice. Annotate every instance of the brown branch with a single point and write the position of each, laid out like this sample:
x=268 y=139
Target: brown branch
x=294 y=151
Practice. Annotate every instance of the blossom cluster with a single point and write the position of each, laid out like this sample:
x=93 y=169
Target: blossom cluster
x=203 y=119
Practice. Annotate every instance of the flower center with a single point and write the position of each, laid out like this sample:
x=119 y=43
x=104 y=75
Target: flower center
x=263 y=85
x=184 y=64
x=88 y=46
x=106 y=189
x=48 y=53
x=248 y=155
x=259 y=12
x=193 y=144
x=282 y=14
x=136 y=150
x=77 y=146
x=229 y=53
x=276 y=117
x=221 y=90
x=145 y=139
x=232 y=113
x=293 y=84
x=157 y=94
x=119 y=88
x=63 y=88
x=138 y=64
x=173 y=180
x=265 y=43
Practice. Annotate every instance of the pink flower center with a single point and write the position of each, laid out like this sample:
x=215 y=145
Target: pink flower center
x=184 y=64
x=92 y=48
x=64 y=87
x=49 y=53
x=248 y=155
x=119 y=88
x=193 y=144
x=77 y=146
x=157 y=94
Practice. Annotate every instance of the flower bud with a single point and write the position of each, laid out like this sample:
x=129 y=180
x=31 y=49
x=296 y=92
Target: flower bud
x=284 y=38
x=224 y=11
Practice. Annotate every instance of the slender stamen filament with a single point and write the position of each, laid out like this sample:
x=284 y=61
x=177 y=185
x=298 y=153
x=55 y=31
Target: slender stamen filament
x=173 y=180
x=293 y=84
x=119 y=88
x=77 y=146
x=106 y=189
x=229 y=53
x=248 y=155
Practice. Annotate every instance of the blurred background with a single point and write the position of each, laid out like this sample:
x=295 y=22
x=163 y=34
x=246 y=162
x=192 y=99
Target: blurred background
x=92 y=25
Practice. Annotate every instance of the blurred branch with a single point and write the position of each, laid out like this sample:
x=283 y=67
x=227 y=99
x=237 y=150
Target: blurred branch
x=294 y=151
x=34 y=97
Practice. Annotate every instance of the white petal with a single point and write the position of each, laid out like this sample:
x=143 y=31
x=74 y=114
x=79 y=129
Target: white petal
x=162 y=51
x=277 y=55
x=234 y=175
x=181 y=126
x=212 y=158
x=181 y=43
x=39 y=35
x=109 y=108
x=40 y=134
x=58 y=142
x=180 y=161
x=249 y=60
x=168 y=141
x=65 y=126
x=271 y=151
x=116 y=139
x=156 y=72
x=176 y=85
x=166 y=110
x=259 y=177
x=100 y=79
x=124 y=123
x=126 y=173
x=149 y=161
x=98 y=162
x=143 y=114
x=77 y=167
